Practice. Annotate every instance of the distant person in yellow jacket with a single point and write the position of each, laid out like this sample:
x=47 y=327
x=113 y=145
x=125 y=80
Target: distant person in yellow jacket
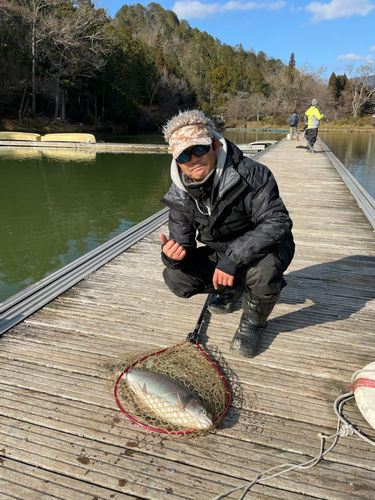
x=313 y=119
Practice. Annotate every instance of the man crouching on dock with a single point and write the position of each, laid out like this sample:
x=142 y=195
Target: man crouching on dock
x=230 y=204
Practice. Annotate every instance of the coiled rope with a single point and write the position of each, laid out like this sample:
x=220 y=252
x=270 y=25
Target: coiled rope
x=344 y=428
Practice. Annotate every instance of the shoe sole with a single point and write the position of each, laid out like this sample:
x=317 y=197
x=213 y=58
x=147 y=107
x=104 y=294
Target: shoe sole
x=242 y=354
x=219 y=310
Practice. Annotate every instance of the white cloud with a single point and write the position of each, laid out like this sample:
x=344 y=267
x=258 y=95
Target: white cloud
x=273 y=5
x=233 y=5
x=339 y=8
x=372 y=48
x=189 y=9
x=194 y=9
x=354 y=57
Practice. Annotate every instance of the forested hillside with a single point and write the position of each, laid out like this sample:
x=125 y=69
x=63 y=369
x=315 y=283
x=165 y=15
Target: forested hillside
x=68 y=60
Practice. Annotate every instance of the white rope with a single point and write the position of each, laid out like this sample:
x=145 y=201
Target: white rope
x=344 y=428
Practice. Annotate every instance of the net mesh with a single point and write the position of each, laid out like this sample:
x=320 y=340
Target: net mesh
x=184 y=364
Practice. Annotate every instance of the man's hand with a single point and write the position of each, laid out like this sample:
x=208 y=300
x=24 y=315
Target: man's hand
x=172 y=248
x=221 y=278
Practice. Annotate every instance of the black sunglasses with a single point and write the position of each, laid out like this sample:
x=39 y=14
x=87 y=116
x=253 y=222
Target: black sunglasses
x=197 y=150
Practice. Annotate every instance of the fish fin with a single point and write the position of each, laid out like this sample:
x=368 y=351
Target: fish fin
x=144 y=388
x=180 y=405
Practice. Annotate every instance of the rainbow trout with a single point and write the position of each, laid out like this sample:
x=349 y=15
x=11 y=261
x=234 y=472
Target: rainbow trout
x=169 y=400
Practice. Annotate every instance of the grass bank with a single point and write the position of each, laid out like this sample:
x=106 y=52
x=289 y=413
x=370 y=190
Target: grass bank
x=44 y=126
x=359 y=124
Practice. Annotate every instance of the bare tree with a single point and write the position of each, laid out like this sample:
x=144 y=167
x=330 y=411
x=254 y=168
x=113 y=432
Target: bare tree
x=77 y=46
x=289 y=93
x=173 y=93
x=361 y=91
x=257 y=103
x=34 y=13
x=236 y=109
x=239 y=107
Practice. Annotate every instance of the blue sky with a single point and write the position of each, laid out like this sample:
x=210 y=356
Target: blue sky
x=333 y=34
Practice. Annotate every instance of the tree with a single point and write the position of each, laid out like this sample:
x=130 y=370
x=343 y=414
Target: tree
x=27 y=16
x=125 y=77
x=333 y=84
x=286 y=96
x=292 y=61
x=78 y=46
x=257 y=83
x=360 y=90
x=37 y=37
x=221 y=82
x=13 y=55
x=257 y=102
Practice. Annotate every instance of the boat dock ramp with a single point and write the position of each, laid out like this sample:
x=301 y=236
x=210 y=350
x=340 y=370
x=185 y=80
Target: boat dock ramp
x=62 y=435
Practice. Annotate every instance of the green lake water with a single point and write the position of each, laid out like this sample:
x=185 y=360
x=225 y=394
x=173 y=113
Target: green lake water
x=53 y=210
x=56 y=206
x=357 y=152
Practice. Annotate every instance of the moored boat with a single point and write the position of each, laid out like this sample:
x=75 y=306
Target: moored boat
x=256 y=146
x=18 y=136
x=262 y=144
x=68 y=137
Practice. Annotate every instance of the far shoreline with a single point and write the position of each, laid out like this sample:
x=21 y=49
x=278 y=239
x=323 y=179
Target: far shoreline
x=44 y=126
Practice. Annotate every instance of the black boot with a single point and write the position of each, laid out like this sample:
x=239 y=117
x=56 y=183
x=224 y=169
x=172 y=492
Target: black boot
x=225 y=302
x=253 y=322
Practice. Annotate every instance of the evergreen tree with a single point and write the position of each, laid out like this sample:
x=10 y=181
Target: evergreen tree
x=334 y=85
x=344 y=82
x=292 y=61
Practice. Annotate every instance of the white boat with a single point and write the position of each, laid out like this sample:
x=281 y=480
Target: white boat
x=19 y=136
x=68 y=137
x=265 y=143
x=256 y=146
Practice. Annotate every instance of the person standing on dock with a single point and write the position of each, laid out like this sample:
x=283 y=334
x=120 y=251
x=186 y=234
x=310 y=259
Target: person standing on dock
x=231 y=205
x=293 y=122
x=313 y=120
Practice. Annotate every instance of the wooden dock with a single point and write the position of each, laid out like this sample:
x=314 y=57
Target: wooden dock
x=63 y=437
x=99 y=147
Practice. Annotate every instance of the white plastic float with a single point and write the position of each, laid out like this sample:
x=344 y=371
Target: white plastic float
x=363 y=386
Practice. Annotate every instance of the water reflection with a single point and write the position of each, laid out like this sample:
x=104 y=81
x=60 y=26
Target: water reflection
x=68 y=155
x=22 y=154
x=54 y=210
x=242 y=137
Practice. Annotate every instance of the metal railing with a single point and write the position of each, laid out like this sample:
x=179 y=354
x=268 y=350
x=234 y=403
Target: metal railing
x=21 y=305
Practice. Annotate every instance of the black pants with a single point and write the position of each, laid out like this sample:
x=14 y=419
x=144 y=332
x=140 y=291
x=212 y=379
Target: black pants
x=311 y=134
x=263 y=277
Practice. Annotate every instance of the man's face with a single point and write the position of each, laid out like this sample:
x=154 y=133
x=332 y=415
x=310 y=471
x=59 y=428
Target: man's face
x=197 y=168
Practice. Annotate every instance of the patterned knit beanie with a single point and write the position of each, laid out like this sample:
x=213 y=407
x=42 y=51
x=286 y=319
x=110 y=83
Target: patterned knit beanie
x=188 y=128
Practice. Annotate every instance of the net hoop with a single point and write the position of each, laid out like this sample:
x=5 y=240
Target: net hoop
x=164 y=431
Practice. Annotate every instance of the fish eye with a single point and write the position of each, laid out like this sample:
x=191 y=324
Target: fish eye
x=204 y=412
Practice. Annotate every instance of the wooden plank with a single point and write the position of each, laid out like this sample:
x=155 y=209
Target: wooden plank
x=22 y=481
x=55 y=402
x=107 y=463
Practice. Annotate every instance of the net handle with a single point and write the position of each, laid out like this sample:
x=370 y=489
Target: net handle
x=194 y=335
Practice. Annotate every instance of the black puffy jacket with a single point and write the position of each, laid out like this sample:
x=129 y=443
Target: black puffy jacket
x=248 y=218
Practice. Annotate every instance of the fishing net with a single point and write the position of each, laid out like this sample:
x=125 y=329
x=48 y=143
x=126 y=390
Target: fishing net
x=185 y=364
